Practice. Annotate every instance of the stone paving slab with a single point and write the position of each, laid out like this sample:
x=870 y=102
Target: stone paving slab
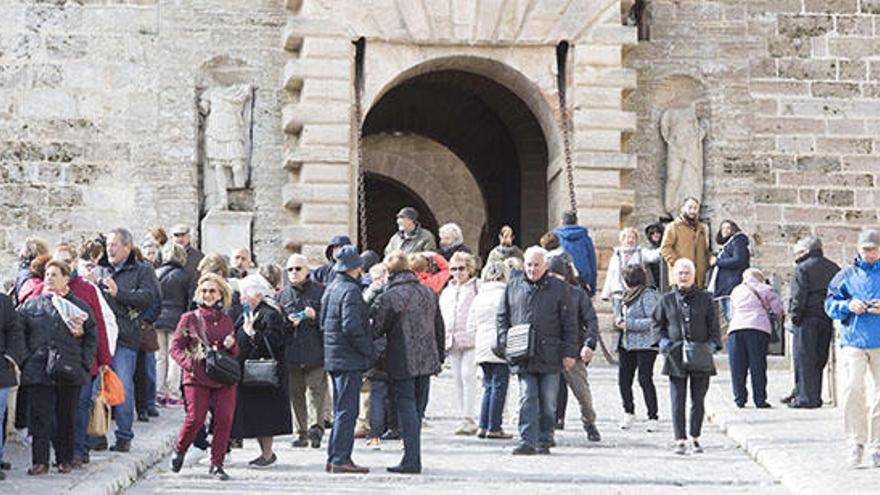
x=803 y=448
x=624 y=462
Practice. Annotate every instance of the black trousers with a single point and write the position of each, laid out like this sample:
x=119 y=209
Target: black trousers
x=52 y=405
x=643 y=362
x=678 y=387
x=561 y=400
x=811 y=345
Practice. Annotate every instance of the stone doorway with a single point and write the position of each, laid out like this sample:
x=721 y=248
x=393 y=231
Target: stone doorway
x=386 y=197
x=490 y=130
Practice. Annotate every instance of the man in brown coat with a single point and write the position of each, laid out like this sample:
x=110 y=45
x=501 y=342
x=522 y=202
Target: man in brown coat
x=685 y=237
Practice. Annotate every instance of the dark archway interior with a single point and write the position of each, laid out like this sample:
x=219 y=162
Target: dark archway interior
x=493 y=132
x=385 y=197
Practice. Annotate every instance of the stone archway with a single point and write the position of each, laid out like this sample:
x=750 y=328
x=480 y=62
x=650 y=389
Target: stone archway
x=435 y=174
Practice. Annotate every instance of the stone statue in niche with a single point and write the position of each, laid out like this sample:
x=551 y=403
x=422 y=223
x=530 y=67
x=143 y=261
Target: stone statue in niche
x=227 y=122
x=681 y=130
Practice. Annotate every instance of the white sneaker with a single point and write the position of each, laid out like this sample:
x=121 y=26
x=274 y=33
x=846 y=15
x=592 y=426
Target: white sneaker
x=627 y=421
x=855 y=456
x=652 y=426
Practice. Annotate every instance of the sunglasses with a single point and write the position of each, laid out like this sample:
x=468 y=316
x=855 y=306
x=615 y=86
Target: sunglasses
x=457 y=268
x=179 y=234
x=295 y=268
x=209 y=291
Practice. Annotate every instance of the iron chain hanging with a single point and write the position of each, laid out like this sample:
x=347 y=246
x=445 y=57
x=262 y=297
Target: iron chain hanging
x=359 y=143
x=562 y=85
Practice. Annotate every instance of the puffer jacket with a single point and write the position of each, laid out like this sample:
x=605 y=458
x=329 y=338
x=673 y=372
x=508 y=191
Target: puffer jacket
x=138 y=291
x=545 y=305
x=348 y=343
x=732 y=260
x=43 y=327
x=857 y=281
x=304 y=346
x=482 y=321
x=747 y=310
x=639 y=333
x=455 y=304
x=407 y=313
x=576 y=241
x=175 y=283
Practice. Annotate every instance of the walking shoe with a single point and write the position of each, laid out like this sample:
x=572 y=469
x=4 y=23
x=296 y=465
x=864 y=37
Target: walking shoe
x=543 y=450
x=153 y=412
x=263 y=462
x=315 y=436
x=38 y=469
x=219 y=473
x=875 y=459
x=524 y=450
x=79 y=460
x=499 y=435
x=65 y=468
x=302 y=441
x=392 y=434
x=627 y=421
x=592 y=433
x=177 y=461
x=855 y=456
x=5 y=466
x=481 y=433
x=348 y=469
x=328 y=425
x=787 y=399
x=143 y=417
x=652 y=426
x=374 y=443
x=97 y=443
x=202 y=443
x=468 y=427
x=763 y=405
x=173 y=402
x=404 y=470
x=680 y=449
x=121 y=446
x=560 y=425
x=696 y=448
x=235 y=443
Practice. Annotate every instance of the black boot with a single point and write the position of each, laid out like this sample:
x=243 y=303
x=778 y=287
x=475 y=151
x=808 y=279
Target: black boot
x=177 y=461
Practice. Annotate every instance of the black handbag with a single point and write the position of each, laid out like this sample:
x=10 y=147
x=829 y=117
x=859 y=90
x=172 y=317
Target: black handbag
x=60 y=369
x=8 y=373
x=697 y=356
x=776 y=321
x=219 y=365
x=261 y=372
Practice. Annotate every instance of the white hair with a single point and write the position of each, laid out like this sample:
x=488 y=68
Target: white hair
x=536 y=251
x=301 y=258
x=255 y=286
x=684 y=262
x=453 y=230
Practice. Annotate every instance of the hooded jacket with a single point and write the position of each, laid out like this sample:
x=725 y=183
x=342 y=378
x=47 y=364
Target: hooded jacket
x=576 y=241
x=857 y=281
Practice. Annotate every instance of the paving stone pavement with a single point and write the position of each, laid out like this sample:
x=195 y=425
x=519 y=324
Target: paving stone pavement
x=624 y=462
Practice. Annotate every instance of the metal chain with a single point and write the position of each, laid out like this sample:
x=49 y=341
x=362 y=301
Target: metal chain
x=566 y=143
x=361 y=182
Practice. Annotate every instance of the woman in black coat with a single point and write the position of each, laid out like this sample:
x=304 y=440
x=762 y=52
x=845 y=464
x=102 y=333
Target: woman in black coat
x=262 y=412
x=176 y=284
x=685 y=318
x=729 y=264
x=71 y=342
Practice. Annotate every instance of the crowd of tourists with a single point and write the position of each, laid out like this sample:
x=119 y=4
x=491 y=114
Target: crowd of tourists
x=156 y=324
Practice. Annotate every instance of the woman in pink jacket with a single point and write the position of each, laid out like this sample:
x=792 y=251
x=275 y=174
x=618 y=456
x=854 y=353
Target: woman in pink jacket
x=751 y=303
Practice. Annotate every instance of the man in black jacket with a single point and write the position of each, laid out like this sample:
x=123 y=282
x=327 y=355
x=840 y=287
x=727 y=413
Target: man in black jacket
x=130 y=288
x=810 y=324
x=12 y=345
x=542 y=302
x=301 y=304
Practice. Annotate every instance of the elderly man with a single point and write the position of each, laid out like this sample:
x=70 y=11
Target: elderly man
x=182 y=235
x=348 y=353
x=811 y=326
x=304 y=350
x=130 y=288
x=541 y=302
x=685 y=237
x=239 y=263
x=410 y=236
x=854 y=299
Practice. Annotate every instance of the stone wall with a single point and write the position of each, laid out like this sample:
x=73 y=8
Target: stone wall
x=789 y=96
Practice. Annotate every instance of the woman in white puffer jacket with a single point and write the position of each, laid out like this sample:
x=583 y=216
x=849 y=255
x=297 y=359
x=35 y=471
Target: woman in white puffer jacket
x=496 y=374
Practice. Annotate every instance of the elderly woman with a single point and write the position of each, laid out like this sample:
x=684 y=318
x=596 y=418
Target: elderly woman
x=451 y=240
x=58 y=328
x=729 y=264
x=687 y=327
x=483 y=325
x=636 y=346
x=455 y=303
x=751 y=304
x=206 y=327
x=629 y=253
x=506 y=248
x=176 y=284
x=263 y=411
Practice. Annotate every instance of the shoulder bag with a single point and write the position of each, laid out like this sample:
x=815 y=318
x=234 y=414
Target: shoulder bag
x=695 y=356
x=60 y=369
x=261 y=372
x=775 y=321
x=219 y=365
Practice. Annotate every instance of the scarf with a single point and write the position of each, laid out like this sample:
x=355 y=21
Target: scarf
x=632 y=294
x=690 y=221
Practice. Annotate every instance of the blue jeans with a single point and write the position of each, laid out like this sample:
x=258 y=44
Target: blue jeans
x=537 y=408
x=725 y=307
x=4 y=396
x=747 y=353
x=124 y=364
x=151 y=379
x=346 y=403
x=83 y=411
x=496 y=377
x=408 y=416
x=378 y=398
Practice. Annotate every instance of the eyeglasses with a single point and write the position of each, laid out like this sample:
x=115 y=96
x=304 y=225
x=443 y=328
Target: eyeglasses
x=295 y=268
x=457 y=268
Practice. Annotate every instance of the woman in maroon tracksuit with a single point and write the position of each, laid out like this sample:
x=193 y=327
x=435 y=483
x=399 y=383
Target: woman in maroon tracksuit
x=188 y=349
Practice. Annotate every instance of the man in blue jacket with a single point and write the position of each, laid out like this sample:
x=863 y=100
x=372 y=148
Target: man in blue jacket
x=348 y=353
x=576 y=241
x=854 y=299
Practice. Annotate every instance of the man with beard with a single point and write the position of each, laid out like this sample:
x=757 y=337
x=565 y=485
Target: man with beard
x=685 y=237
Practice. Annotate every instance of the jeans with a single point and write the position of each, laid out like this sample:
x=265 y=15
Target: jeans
x=145 y=381
x=678 y=393
x=346 y=391
x=405 y=396
x=84 y=410
x=537 y=408
x=378 y=399
x=812 y=340
x=4 y=396
x=124 y=364
x=643 y=361
x=858 y=417
x=52 y=415
x=747 y=354
x=496 y=377
x=724 y=301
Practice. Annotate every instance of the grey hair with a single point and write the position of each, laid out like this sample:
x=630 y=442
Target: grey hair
x=453 y=229
x=173 y=252
x=536 y=251
x=684 y=262
x=807 y=244
x=497 y=271
x=124 y=233
x=754 y=274
x=255 y=285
